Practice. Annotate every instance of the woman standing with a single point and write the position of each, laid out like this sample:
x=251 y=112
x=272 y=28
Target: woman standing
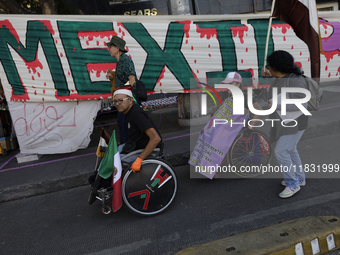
x=125 y=73
x=281 y=66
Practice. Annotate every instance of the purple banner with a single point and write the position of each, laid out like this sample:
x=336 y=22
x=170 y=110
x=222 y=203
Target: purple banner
x=216 y=138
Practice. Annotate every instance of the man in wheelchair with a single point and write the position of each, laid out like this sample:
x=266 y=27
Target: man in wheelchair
x=142 y=134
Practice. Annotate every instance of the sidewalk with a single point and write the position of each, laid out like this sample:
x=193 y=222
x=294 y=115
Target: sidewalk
x=63 y=171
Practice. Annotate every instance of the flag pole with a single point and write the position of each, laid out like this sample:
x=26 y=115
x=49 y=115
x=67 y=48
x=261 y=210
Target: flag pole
x=268 y=33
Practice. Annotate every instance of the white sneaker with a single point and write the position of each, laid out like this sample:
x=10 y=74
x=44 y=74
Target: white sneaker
x=288 y=192
x=301 y=183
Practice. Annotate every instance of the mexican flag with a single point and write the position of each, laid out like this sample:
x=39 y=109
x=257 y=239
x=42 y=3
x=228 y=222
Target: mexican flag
x=111 y=164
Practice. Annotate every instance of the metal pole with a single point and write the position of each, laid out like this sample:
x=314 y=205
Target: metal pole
x=268 y=33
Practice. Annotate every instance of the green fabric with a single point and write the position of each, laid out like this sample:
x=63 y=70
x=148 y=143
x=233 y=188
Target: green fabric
x=107 y=165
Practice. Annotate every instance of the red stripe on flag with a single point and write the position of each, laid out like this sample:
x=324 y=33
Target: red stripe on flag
x=117 y=195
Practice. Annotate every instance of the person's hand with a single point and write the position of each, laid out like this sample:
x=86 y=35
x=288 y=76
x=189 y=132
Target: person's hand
x=135 y=167
x=109 y=75
x=265 y=72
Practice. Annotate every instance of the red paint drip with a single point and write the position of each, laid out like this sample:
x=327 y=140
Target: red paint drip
x=69 y=73
x=284 y=38
x=33 y=64
x=101 y=67
x=61 y=54
x=246 y=49
x=192 y=47
x=161 y=76
x=330 y=54
x=284 y=27
x=32 y=77
x=35 y=92
x=209 y=55
x=329 y=75
x=38 y=74
x=209 y=32
x=195 y=61
x=326 y=68
x=300 y=53
x=44 y=91
x=48 y=25
x=241 y=61
x=186 y=27
x=44 y=83
x=240 y=31
x=292 y=47
x=92 y=34
x=186 y=41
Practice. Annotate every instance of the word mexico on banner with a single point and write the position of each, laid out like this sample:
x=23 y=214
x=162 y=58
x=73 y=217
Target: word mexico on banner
x=55 y=59
x=214 y=141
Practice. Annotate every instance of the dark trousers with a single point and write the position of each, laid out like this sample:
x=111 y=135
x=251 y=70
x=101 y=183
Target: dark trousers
x=123 y=129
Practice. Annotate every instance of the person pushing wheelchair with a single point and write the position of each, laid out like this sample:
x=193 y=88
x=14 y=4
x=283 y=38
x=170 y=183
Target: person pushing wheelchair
x=142 y=134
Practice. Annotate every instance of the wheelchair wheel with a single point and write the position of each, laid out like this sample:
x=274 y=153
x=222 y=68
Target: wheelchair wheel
x=151 y=190
x=249 y=152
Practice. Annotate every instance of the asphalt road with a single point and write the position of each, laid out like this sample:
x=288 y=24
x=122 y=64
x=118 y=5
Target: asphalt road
x=203 y=211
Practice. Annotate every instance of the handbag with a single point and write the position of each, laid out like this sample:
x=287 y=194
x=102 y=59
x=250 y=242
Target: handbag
x=138 y=90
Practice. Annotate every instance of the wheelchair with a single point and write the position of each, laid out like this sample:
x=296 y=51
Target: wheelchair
x=250 y=151
x=147 y=192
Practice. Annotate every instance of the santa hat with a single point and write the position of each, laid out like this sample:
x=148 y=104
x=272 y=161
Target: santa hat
x=125 y=90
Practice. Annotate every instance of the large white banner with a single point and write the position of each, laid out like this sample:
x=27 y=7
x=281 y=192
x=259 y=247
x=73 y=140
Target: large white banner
x=48 y=128
x=52 y=60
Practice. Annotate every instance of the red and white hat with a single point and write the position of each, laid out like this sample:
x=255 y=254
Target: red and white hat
x=232 y=76
x=125 y=90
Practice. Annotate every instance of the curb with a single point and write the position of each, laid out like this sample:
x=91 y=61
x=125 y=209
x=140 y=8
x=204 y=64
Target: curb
x=29 y=190
x=311 y=235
